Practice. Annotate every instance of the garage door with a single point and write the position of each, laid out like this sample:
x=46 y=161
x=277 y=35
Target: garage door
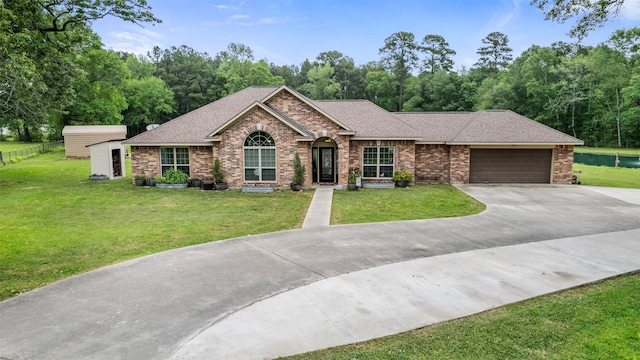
x=510 y=166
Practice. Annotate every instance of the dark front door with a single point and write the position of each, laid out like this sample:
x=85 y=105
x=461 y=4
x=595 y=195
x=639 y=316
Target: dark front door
x=117 y=164
x=327 y=173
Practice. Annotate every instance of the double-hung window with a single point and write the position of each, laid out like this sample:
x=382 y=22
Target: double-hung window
x=259 y=157
x=377 y=162
x=176 y=158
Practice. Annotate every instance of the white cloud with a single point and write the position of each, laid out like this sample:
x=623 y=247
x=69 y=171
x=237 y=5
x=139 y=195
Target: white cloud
x=138 y=42
x=501 y=17
x=631 y=10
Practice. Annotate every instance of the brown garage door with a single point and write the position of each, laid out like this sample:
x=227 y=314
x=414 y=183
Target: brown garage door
x=510 y=166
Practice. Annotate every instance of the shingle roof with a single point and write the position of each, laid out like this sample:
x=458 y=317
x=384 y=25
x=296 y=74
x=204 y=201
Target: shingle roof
x=192 y=127
x=364 y=118
x=367 y=119
x=484 y=127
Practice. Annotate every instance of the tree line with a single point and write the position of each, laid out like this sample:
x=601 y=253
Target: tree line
x=55 y=72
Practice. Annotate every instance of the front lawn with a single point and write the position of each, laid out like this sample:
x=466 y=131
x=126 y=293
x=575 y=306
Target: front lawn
x=411 y=203
x=55 y=223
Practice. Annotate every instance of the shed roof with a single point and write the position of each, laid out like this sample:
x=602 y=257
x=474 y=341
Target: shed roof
x=94 y=129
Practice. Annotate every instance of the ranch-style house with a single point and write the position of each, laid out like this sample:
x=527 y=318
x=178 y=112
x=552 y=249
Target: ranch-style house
x=256 y=132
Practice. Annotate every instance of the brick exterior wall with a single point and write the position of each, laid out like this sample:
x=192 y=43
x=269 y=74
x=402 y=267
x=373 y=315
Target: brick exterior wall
x=314 y=121
x=432 y=163
x=459 y=161
x=563 y=164
x=145 y=160
x=404 y=155
x=201 y=162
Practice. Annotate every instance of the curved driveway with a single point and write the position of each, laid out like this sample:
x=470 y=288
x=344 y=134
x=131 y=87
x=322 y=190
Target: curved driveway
x=170 y=305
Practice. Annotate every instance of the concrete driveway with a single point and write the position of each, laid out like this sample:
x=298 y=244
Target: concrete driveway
x=177 y=304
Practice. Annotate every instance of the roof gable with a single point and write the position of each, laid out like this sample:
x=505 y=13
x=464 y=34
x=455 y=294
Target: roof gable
x=192 y=127
x=273 y=112
x=310 y=103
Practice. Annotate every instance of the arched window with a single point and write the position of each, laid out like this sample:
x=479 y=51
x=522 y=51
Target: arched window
x=259 y=157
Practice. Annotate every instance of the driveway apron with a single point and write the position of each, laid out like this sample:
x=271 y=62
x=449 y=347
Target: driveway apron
x=152 y=307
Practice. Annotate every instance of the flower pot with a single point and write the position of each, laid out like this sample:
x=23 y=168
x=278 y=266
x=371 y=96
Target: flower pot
x=402 y=184
x=221 y=186
x=151 y=182
x=352 y=187
x=207 y=186
x=196 y=183
x=296 y=187
x=140 y=182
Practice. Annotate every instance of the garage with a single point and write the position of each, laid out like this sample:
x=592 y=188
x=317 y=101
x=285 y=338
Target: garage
x=510 y=166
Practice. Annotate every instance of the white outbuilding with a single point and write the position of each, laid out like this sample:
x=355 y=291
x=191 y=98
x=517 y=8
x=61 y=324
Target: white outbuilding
x=78 y=138
x=107 y=158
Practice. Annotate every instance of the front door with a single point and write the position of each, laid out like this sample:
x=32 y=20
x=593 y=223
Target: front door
x=327 y=173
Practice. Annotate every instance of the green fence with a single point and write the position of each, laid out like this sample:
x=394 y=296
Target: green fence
x=606 y=160
x=23 y=153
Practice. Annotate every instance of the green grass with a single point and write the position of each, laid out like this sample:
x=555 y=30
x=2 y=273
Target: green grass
x=415 y=202
x=13 y=145
x=606 y=151
x=55 y=223
x=608 y=176
x=600 y=321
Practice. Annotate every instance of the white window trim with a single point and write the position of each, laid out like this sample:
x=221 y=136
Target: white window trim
x=259 y=167
x=377 y=165
x=175 y=165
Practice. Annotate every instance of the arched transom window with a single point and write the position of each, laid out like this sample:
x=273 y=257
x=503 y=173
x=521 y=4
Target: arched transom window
x=259 y=157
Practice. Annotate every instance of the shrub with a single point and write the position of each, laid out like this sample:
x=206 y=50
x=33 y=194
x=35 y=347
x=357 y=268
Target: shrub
x=402 y=175
x=174 y=176
x=298 y=171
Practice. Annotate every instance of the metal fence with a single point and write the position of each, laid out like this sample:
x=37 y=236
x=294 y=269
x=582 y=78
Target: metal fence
x=23 y=153
x=606 y=160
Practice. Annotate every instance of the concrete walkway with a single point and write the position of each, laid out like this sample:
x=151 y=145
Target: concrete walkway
x=319 y=212
x=275 y=294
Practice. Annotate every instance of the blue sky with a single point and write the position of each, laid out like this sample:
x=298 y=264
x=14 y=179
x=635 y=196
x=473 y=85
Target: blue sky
x=286 y=32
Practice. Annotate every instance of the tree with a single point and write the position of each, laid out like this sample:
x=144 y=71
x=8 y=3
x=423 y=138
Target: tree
x=99 y=97
x=321 y=84
x=380 y=89
x=611 y=73
x=631 y=113
x=399 y=55
x=438 y=54
x=39 y=40
x=496 y=55
x=591 y=14
x=150 y=101
x=189 y=74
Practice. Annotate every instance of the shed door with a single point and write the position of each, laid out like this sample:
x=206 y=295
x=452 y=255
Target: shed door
x=510 y=166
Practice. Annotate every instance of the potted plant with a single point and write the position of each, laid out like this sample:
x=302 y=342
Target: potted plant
x=402 y=178
x=298 y=173
x=218 y=176
x=352 y=182
x=140 y=180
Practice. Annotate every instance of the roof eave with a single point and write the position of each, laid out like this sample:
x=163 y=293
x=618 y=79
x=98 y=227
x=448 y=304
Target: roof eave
x=514 y=144
x=169 y=144
x=394 y=138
